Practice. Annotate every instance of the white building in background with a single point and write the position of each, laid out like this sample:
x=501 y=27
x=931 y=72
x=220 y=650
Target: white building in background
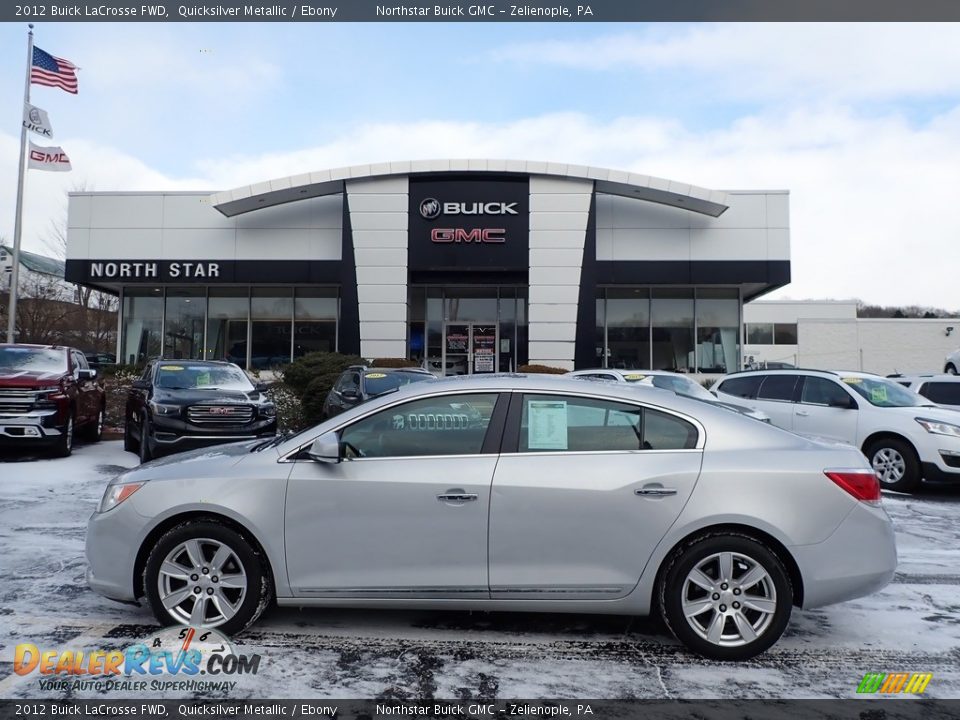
x=35 y=270
x=829 y=335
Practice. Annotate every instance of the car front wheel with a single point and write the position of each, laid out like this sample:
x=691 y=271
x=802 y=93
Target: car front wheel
x=726 y=596
x=896 y=465
x=205 y=574
x=64 y=444
x=146 y=454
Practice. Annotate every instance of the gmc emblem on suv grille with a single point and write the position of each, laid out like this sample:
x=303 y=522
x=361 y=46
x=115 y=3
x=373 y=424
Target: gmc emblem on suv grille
x=221 y=411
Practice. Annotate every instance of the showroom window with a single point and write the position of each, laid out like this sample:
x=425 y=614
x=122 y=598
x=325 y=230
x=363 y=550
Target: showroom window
x=184 y=321
x=628 y=328
x=228 y=312
x=142 y=324
x=315 y=320
x=447 y=425
x=718 y=324
x=556 y=423
x=271 y=319
x=671 y=311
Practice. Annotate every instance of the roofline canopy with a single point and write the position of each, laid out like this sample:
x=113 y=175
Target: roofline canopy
x=330 y=182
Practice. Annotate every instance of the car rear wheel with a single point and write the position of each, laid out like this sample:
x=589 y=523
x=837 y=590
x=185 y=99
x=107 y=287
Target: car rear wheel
x=64 y=444
x=950 y=369
x=206 y=574
x=94 y=431
x=146 y=454
x=726 y=596
x=896 y=464
x=129 y=444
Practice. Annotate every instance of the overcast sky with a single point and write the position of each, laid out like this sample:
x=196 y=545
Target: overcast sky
x=860 y=122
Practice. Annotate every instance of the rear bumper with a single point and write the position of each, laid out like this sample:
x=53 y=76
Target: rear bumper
x=859 y=558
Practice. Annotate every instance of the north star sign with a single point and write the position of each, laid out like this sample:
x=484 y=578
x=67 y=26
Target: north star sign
x=174 y=270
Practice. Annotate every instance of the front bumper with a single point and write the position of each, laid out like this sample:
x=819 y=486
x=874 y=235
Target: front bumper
x=34 y=427
x=171 y=435
x=111 y=556
x=859 y=558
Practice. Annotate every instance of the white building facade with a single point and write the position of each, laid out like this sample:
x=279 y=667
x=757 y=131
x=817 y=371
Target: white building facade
x=464 y=265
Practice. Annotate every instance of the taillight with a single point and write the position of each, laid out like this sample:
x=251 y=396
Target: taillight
x=859 y=482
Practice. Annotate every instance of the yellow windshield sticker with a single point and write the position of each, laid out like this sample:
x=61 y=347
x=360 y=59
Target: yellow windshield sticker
x=376 y=376
x=634 y=377
x=172 y=368
x=878 y=394
x=853 y=381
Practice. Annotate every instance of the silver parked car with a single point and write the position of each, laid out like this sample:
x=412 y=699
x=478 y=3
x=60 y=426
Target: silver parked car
x=518 y=493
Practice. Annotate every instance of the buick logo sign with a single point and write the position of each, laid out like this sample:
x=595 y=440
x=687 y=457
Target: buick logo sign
x=430 y=209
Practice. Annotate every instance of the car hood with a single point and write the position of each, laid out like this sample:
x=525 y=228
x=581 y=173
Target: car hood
x=206 y=462
x=195 y=396
x=29 y=379
x=932 y=412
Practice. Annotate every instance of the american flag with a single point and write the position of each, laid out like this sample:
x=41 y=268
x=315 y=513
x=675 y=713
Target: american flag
x=53 y=71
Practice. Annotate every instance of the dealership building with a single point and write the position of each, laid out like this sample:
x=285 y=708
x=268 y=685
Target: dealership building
x=467 y=266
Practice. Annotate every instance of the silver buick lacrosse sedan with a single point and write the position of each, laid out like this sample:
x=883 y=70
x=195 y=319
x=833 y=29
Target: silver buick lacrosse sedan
x=519 y=493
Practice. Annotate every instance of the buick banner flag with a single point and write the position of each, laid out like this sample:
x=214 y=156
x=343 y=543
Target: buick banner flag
x=49 y=158
x=36 y=120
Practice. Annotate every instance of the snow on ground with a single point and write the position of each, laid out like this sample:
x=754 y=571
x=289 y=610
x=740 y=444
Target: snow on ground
x=912 y=625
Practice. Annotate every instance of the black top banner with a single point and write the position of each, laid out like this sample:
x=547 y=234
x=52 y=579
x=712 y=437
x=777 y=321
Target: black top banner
x=540 y=11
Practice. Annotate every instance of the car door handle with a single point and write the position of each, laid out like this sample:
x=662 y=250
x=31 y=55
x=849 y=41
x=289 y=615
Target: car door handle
x=655 y=492
x=457 y=497
x=803 y=413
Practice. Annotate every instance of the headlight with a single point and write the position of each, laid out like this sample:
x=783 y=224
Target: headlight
x=161 y=409
x=116 y=494
x=939 y=428
x=268 y=410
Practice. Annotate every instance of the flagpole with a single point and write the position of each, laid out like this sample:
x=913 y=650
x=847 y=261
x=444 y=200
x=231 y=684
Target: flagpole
x=18 y=216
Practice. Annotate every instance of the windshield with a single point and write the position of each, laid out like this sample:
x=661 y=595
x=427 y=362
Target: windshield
x=378 y=383
x=202 y=377
x=36 y=360
x=683 y=386
x=884 y=393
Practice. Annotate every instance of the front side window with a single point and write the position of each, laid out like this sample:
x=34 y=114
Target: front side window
x=349 y=381
x=447 y=425
x=559 y=423
x=819 y=391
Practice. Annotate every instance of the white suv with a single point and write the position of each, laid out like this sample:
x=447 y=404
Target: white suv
x=944 y=390
x=903 y=436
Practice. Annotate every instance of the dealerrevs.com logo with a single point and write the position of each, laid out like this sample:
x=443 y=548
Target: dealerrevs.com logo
x=186 y=659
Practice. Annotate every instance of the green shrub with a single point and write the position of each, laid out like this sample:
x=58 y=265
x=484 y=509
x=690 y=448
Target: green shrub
x=543 y=369
x=309 y=379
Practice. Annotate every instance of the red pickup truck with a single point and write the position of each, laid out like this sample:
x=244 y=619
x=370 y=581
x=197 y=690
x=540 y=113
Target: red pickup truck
x=48 y=393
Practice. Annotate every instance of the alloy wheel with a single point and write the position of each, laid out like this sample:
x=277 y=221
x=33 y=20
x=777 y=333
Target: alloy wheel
x=889 y=465
x=69 y=433
x=202 y=582
x=729 y=599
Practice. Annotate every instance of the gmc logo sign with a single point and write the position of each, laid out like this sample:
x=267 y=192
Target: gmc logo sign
x=475 y=235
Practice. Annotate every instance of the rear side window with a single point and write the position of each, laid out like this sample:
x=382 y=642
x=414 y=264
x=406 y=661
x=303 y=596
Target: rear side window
x=552 y=423
x=944 y=393
x=777 y=387
x=742 y=387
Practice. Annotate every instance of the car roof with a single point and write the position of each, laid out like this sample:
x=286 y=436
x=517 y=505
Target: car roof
x=194 y=362
x=805 y=371
x=37 y=345
x=938 y=377
x=367 y=370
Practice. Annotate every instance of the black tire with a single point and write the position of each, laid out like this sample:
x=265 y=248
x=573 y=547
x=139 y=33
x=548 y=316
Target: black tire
x=64 y=445
x=129 y=444
x=257 y=595
x=94 y=431
x=146 y=453
x=890 y=454
x=774 y=591
x=950 y=369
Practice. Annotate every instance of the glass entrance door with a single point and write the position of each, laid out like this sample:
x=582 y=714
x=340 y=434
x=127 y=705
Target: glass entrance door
x=469 y=348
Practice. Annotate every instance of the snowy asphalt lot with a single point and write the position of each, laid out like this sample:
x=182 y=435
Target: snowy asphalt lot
x=912 y=625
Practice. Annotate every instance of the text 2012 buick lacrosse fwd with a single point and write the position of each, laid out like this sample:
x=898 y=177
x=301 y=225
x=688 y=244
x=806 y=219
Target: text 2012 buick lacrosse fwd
x=505 y=493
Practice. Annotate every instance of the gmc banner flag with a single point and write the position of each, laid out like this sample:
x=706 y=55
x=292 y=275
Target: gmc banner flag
x=49 y=158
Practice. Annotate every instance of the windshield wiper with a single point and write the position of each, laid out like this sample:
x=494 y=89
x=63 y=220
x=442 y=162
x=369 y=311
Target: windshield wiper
x=275 y=440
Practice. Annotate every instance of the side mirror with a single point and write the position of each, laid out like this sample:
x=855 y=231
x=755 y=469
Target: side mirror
x=350 y=394
x=84 y=374
x=261 y=386
x=140 y=384
x=843 y=404
x=325 y=449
